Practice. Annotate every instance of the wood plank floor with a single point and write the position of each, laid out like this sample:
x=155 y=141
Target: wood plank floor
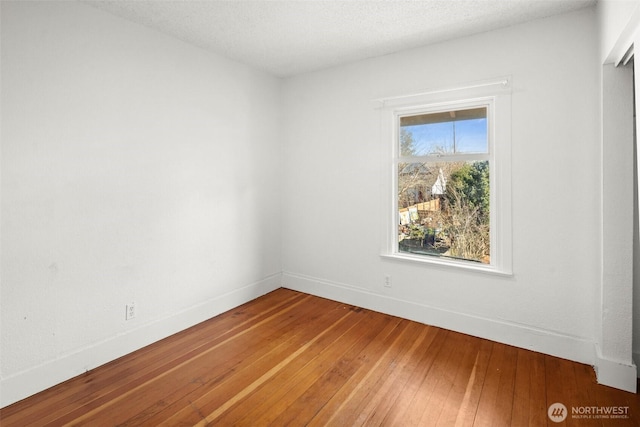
x=293 y=359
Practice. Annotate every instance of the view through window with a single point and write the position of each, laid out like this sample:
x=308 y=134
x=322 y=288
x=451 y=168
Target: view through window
x=443 y=178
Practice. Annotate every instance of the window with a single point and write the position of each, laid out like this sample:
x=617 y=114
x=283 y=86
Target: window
x=450 y=179
x=443 y=176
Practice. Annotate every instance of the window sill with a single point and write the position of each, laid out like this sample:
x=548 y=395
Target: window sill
x=447 y=263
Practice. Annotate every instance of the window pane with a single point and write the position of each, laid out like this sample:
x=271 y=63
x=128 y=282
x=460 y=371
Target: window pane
x=443 y=209
x=450 y=132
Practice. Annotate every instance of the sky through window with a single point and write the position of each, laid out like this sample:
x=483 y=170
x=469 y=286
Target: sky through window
x=448 y=137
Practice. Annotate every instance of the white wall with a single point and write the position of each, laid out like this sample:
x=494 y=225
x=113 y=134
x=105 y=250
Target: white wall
x=619 y=25
x=134 y=168
x=616 y=35
x=615 y=308
x=332 y=198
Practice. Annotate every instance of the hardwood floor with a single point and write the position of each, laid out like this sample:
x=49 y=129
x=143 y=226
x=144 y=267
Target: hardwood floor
x=293 y=359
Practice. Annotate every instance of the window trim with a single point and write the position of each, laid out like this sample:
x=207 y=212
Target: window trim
x=496 y=96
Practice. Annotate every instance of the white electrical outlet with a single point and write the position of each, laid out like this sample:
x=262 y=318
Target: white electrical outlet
x=387 y=281
x=131 y=311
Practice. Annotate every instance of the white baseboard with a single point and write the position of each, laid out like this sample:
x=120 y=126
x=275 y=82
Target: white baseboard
x=26 y=383
x=523 y=336
x=615 y=374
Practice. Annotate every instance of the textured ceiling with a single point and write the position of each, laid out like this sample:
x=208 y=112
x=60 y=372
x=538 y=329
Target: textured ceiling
x=291 y=37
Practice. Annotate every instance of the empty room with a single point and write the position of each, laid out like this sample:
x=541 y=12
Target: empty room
x=307 y=212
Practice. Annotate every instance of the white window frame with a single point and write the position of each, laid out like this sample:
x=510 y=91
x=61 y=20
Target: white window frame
x=496 y=96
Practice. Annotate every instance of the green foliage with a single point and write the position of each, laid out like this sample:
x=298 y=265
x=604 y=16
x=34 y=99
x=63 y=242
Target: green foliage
x=416 y=231
x=466 y=222
x=469 y=185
